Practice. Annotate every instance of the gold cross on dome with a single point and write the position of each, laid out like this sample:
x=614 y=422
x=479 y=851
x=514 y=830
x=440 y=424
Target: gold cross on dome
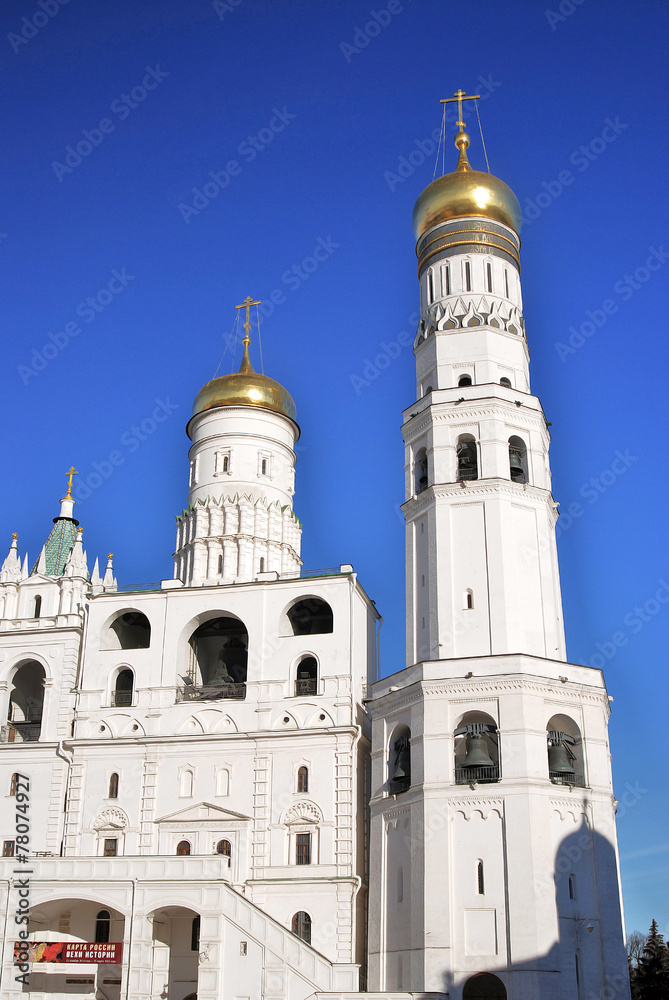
x=70 y=472
x=460 y=97
x=246 y=304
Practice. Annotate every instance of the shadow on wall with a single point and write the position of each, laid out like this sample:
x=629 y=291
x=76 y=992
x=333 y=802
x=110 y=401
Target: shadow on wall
x=588 y=962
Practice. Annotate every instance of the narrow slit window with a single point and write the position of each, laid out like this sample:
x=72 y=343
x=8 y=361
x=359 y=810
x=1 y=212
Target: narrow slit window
x=13 y=784
x=479 y=878
x=220 y=565
x=430 y=287
x=113 y=786
x=262 y=564
x=263 y=467
x=488 y=270
x=506 y=283
x=195 y=934
x=38 y=606
x=447 y=280
x=469 y=601
x=572 y=887
x=226 y=463
x=468 y=276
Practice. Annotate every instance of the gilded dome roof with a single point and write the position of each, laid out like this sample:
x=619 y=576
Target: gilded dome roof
x=245 y=388
x=465 y=193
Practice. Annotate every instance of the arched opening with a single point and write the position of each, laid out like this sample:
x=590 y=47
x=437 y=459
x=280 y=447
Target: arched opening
x=467 y=458
x=306 y=681
x=310 y=616
x=517 y=460
x=565 y=752
x=13 y=784
x=484 y=986
x=476 y=749
x=465 y=380
x=183 y=849
x=399 y=760
x=505 y=382
x=224 y=847
x=123 y=688
x=113 y=786
x=420 y=471
x=218 y=660
x=301 y=925
x=102 y=927
x=26 y=703
x=303 y=779
x=175 y=951
x=186 y=782
x=130 y=630
x=38 y=606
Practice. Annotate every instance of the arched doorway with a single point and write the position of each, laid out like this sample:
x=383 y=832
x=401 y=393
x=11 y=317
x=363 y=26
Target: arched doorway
x=484 y=986
x=176 y=947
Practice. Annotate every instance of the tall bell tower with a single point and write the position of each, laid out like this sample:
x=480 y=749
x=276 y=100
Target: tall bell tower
x=493 y=852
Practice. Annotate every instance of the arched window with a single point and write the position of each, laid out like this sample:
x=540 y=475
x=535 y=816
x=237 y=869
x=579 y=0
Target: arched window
x=263 y=467
x=223 y=781
x=219 y=659
x=517 y=460
x=301 y=926
x=183 y=849
x=113 y=786
x=225 y=848
x=13 y=784
x=467 y=458
x=505 y=381
x=465 y=380
x=306 y=681
x=469 y=600
x=572 y=886
x=102 y=927
x=420 y=471
x=303 y=779
x=226 y=463
x=26 y=702
x=479 y=879
x=400 y=760
x=38 y=606
x=123 y=688
x=130 y=630
x=195 y=934
x=261 y=568
x=565 y=752
x=484 y=986
x=186 y=780
x=476 y=749
x=310 y=616
x=220 y=565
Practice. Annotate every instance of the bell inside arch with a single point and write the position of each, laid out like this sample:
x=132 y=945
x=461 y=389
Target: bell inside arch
x=558 y=759
x=477 y=752
x=403 y=766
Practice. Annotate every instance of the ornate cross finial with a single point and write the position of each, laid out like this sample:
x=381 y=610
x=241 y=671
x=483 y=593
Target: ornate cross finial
x=246 y=304
x=70 y=472
x=460 y=97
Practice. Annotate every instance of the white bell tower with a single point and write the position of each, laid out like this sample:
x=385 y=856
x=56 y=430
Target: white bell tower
x=493 y=851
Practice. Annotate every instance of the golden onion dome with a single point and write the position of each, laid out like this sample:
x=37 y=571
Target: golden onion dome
x=465 y=193
x=245 y=388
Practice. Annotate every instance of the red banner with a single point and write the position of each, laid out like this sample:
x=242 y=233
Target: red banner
x=68 y=951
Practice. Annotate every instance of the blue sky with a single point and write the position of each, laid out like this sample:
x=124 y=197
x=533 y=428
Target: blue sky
x=315 y=122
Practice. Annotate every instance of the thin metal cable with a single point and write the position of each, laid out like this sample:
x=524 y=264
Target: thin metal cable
x=442 y=138
x=227 y=344
x=482 y=139
x=262 y=366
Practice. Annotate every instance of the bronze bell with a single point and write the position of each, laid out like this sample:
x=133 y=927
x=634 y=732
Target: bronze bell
x=403 y=766
x=558 y=759
x=477 y=752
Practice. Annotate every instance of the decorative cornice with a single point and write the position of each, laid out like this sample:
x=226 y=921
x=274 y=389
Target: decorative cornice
x=416 y=505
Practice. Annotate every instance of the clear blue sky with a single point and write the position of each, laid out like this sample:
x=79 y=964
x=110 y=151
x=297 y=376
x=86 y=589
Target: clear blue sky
x=317 y=107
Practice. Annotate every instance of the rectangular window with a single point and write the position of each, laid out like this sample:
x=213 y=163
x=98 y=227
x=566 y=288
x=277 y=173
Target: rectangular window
x=303 y=849
x=8 y=849
x=488 y=268
x=468 y=276
x=447 y=280
x=111 y=847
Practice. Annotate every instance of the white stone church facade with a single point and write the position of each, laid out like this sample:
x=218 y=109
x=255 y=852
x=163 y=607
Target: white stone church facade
x=217 y=779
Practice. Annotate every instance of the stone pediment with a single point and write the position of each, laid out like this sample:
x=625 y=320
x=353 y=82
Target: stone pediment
x=202 y=812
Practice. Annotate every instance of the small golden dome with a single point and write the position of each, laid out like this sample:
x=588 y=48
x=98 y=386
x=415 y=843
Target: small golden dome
x=245 y=388
x=465 y=193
